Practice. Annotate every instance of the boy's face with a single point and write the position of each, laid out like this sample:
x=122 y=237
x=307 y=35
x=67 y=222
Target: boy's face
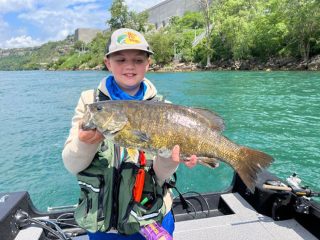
x=128 y=68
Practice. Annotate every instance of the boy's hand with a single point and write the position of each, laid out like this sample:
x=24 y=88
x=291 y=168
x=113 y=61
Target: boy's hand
x=89 y=136
x=190 y=163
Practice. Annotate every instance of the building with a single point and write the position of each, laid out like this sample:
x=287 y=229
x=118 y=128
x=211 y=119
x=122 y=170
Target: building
x=161 y=13
x=86 y=35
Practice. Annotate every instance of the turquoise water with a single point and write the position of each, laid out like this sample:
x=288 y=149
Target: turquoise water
x=276 y=112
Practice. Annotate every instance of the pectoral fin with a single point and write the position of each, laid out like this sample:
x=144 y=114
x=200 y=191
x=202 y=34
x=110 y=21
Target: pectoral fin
x=207 y=162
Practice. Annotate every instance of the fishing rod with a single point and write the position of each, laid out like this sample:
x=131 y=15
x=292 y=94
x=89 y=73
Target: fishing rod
x=292 y=186
x=302 y=195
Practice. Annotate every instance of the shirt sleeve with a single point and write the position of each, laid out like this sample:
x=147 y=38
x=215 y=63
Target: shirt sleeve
x=78 y=155
x=164 y=169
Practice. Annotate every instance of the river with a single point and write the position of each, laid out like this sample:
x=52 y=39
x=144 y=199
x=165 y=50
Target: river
x=276 y=112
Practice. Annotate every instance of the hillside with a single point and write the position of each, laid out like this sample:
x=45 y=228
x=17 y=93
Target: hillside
x=35 y=58
x=258 y=35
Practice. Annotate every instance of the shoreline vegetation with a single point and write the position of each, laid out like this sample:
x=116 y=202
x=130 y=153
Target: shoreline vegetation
x=261 y=35
x=228 y=65
x=222 y=65
x=245 y=65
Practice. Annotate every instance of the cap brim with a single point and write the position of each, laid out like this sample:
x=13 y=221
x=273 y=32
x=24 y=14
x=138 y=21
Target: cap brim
x=130 y=48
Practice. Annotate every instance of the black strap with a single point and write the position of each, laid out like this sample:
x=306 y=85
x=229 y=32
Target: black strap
x=100 y=96
x=172 y=184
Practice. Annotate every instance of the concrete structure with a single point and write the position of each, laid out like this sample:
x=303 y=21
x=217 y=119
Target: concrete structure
x=161 y=13
x=86 y=35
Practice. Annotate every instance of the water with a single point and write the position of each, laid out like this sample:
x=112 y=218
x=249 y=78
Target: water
x=276 y=112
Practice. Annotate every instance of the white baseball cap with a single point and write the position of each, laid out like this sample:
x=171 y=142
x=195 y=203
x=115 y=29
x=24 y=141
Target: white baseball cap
x=127 y=39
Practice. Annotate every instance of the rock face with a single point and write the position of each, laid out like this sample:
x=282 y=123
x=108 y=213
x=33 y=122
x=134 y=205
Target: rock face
x=176 y=67
x=314 y=64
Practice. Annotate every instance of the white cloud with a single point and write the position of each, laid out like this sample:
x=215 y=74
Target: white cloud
x=21 y=41
x=58 y=23
x=15 y=5
x=49 y=20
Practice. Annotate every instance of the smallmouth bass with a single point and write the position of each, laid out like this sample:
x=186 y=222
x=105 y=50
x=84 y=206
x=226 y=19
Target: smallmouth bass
x=157 y=127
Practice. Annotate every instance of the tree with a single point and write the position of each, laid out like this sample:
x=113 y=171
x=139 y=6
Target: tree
x=270 y=30
x=233 y=25
x=304 y=23
x=119 y=15
x=79 y=45
x=122 y=18
x=138 y=21
x=190 y=20
x=162 y=45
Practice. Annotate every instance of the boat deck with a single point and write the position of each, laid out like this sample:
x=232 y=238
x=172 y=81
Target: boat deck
x=244 y=224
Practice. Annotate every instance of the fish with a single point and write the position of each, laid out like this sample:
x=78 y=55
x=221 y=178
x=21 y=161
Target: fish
x=157 y=126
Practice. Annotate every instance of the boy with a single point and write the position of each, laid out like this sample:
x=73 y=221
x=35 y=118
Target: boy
x=127 y=58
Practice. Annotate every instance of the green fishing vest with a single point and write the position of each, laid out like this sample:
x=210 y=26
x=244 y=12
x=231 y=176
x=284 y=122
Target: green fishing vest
x=106 y=197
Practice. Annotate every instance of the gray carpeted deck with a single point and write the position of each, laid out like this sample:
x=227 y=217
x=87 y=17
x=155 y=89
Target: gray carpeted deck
x=245 y=224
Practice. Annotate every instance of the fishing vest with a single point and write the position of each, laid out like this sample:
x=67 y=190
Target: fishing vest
x=106 y=197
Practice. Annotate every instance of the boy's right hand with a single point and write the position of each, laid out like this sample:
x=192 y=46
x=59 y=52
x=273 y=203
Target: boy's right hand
x=90 y=136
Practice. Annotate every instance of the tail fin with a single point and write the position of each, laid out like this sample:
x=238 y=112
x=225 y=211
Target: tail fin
x=250 y=164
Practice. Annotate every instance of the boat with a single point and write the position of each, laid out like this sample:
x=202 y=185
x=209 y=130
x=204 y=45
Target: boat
x=274 y=210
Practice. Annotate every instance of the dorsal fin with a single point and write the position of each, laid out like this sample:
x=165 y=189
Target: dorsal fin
x=214 y=120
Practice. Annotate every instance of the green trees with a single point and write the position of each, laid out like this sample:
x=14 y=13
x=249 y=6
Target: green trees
x=263 y=29
x=303 y=22
x=121 y=17
x=175 y=40
x=257 y=30
x=161 y=44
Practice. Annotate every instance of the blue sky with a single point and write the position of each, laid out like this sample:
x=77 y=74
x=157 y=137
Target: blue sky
x=26 y=23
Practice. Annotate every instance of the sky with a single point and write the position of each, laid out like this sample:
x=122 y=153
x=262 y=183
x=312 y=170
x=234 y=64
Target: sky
x=28 y=23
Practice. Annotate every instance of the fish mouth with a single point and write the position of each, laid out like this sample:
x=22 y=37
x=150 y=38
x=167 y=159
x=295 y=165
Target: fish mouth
x=87 y=123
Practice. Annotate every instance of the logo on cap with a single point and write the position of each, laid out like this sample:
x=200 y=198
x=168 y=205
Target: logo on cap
x=129 y=38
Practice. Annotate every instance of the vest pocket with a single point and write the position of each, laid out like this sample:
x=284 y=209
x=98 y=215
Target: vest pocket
x=134 y=215
x=89 y=214
x=139 y=216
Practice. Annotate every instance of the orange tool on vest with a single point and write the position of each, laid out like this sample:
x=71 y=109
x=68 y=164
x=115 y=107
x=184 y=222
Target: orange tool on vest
x=139 y=183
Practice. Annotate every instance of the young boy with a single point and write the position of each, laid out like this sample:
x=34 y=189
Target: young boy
x=127 y=58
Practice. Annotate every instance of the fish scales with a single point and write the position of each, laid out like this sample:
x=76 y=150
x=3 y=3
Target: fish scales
x=167 y=128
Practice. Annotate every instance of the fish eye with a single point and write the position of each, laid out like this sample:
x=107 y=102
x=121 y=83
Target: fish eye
x=99 y=108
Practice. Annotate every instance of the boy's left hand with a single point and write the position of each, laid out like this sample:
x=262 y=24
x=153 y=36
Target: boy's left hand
x=190 y=162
